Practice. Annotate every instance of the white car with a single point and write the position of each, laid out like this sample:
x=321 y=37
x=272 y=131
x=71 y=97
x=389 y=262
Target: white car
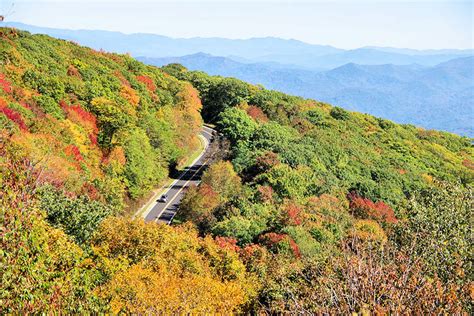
x=163 y=198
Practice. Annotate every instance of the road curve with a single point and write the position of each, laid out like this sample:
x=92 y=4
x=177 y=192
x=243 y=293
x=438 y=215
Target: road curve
x=164 y=212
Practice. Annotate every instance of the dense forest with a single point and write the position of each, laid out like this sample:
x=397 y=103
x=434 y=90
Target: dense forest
x=313 y=209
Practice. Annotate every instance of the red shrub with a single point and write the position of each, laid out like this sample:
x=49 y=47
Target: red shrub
x=271 y=240
x=254 y=257
x=74 y=152
x=295 y=248
x=93 y=138
x=365 y=208
x=249 y=250
x=257 y=114
x=148 y=82
x=291 y=214
x=14 y=117
x=63 y=105
x=90 y=190
x=227 y=243
x=80 y=114
x=5 y=85
x=84 y=115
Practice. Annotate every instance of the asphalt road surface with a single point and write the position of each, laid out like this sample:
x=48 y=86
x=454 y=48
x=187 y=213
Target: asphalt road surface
x=164 y=212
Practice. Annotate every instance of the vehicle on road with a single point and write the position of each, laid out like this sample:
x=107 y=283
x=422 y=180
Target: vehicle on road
x=163 y=198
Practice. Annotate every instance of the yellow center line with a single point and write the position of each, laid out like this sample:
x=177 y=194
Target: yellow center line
x=182 y=188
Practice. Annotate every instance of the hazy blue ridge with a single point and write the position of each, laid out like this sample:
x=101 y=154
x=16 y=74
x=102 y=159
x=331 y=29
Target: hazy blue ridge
x=439 y=97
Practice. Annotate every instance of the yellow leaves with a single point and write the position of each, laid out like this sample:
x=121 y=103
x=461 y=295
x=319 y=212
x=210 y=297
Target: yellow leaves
x=427 y=178
x=156 y=268
x=369 y=230
x=76 y=135
x=108 y=109
x=144 y=291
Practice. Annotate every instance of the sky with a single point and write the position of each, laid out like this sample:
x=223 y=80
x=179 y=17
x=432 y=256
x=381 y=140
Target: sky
x=421 y=24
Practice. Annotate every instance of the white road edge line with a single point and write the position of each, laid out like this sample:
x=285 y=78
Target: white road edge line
x=148 y=210
x=198 y=182
x=177 y=193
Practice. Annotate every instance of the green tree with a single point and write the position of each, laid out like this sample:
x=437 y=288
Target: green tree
x=78 y=217
x=143 y=169
x=237 y=125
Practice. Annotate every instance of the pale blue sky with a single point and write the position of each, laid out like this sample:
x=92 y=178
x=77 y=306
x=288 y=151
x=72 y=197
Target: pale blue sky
x=342 y=23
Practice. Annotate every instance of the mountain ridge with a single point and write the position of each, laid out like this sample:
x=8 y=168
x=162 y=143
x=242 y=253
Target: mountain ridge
x=433 y=97
x=268 y=49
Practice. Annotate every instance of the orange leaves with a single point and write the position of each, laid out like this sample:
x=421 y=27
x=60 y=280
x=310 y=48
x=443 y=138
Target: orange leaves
x=86 y=119
x=365 y=208
x=130 y=95
x=3 y=103
x=227 y=243
x=149 y=83
x=210 y=198
x=117 y=155
x=189 y=98
x=77 y=114
x=265 y=193
x=74 y=152
x=468 y=164
x=73 y=72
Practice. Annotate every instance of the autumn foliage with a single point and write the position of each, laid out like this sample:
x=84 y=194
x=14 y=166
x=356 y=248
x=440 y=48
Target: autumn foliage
x=270 y=229
x=365 y=208
x=257 y=114
x=74 y=152
x=5 y=84
x=14 y=117
x=280 y=243
x=148 y=82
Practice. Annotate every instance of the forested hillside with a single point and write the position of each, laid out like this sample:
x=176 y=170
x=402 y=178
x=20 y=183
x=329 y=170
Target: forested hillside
x=342 y=211
x=82 y=133
x=314 y=210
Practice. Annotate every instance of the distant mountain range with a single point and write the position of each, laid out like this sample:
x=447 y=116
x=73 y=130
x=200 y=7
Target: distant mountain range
x=430 y=88
x=438 y=97
x=268 y=49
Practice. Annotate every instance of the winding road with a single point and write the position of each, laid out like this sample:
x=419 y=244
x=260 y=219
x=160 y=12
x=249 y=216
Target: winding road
x=164 y=212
